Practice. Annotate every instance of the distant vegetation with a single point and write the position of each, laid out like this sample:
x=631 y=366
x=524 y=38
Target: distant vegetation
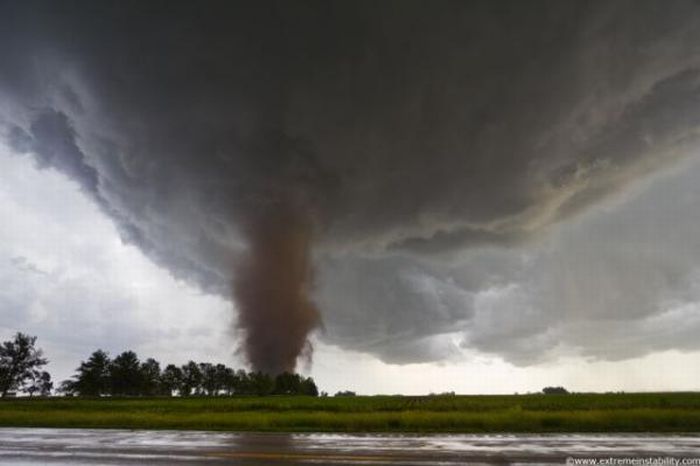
x=125 y=392
x=126 y=375
x=660 y=412
x=555 y=391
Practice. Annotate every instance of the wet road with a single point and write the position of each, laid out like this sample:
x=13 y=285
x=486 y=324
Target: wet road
x=123 y=447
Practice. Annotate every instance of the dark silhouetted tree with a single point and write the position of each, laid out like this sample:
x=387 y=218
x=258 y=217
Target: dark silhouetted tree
x=41 y=384
x=554 y=391
x=92 y=378
x=191 y=379
x=224 y=379
x=171 y=380
x=125 y=375
x=20 y=361
x=261 y=384
x=308 y=387
x=241 y=383
x=210 y=385
x=150 y=378
x=32 y=386
x=294 y=384
x=287 y=384
x=45 y=384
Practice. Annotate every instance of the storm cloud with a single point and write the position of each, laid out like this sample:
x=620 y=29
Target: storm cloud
x=425 y=157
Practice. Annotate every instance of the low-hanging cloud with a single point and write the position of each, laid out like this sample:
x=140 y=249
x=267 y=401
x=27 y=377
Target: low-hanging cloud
x=413 y=151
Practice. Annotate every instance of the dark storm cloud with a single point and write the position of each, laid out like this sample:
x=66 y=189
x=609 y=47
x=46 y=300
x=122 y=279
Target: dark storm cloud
x=392 y=130
x=52 y=141
x=620 y=282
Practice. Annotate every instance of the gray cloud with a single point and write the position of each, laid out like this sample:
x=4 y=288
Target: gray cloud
x=52 y=140
x=68 y=280
x=617 y=283
x=431 y=145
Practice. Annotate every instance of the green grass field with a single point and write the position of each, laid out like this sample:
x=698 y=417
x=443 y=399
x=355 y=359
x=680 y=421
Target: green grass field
x=648 y=412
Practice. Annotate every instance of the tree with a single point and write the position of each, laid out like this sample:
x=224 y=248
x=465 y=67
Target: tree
x=191 y=379
x=308 y=387
x=46 y=384
x=261 y=384
x=210 y=381
x=295 y=384
x=41 y=383
x=32 y=387
x=171 y=380
x=19 y=363
x=287 y=383
x=554 y=391
x=92 y=378
x=125 y=374
x=241 y=383
x=225 y=378
x=150 y=378
x=67 y=387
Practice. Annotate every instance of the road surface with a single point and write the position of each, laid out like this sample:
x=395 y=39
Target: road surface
x=126 y=447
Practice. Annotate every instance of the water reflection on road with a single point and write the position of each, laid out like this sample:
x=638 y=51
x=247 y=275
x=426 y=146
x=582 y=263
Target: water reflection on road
x=126 y=447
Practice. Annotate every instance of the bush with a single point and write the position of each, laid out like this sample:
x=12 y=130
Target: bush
x=555 y=391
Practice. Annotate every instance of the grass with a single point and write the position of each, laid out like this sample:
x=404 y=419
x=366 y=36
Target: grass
x=643 y=412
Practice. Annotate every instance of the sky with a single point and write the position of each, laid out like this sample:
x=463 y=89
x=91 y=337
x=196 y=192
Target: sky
x=397 y=197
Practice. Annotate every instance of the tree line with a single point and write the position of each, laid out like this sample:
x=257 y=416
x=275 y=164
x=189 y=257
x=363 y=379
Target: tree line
x=126 y=375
